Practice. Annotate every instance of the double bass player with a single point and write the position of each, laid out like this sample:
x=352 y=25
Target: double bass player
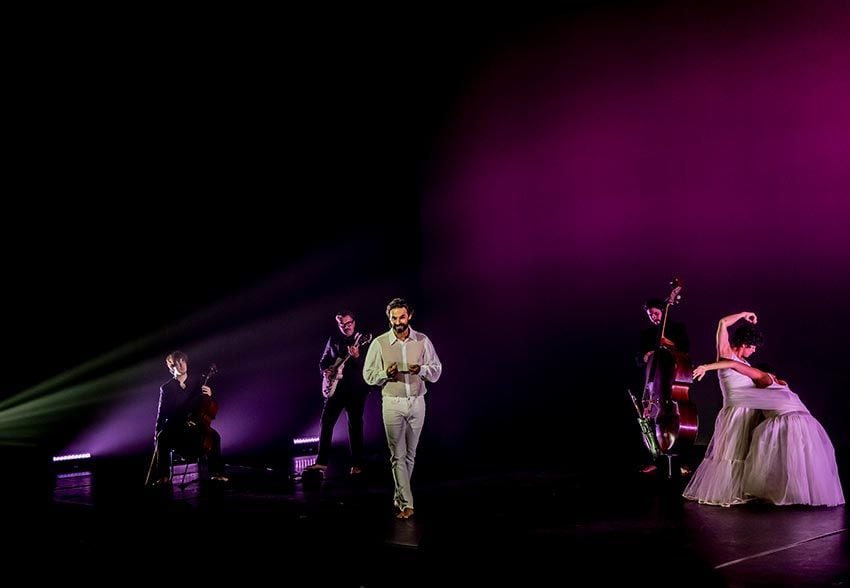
x=663 y=355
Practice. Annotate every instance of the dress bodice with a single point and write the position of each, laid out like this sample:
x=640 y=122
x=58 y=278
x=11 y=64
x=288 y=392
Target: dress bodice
x=740 y=390
x=733 y=384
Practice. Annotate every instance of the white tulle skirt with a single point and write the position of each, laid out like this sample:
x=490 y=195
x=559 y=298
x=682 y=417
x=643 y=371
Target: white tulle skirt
x=792 y=461
x=719 y=479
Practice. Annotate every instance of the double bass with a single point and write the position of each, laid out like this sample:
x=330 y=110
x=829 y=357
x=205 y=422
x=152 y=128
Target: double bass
x=666 y=405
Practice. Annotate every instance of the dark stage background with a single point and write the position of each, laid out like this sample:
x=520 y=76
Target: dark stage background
x=526 y=180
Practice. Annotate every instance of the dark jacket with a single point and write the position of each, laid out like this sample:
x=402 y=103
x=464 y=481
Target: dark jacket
x=176 y=405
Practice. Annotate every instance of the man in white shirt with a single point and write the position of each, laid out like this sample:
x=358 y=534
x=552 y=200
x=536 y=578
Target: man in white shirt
x=400 y=361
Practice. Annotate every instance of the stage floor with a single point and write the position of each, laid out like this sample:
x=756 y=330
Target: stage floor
x=483 y=525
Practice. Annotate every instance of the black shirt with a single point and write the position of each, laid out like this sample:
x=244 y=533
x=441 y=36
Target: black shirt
x=675 y=331
x=352 y=373
x=177 y=404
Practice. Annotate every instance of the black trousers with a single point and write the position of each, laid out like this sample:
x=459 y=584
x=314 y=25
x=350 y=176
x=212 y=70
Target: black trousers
x=188 y=442
x=354 y=403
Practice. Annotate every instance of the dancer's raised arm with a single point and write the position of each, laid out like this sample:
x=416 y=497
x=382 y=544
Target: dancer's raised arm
x=724 y=349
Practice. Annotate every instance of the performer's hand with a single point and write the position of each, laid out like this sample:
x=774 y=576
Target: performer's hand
x=206 y=390
x=667 y=342
x=750 y=317
x=354 y=351
x=647 y=355
x=699 y=372
x=392 y=370
x=329 y=372
x=413 y=368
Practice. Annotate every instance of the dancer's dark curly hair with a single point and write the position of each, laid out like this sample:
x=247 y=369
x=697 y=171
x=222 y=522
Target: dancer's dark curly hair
x=747 y=334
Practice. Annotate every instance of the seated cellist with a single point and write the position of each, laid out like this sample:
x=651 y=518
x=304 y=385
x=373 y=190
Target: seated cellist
x=177 y=425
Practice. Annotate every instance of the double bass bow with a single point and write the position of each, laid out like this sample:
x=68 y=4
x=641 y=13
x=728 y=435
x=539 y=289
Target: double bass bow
x=665 y=395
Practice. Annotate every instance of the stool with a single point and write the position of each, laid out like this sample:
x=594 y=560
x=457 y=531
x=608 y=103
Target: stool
x=188 y=460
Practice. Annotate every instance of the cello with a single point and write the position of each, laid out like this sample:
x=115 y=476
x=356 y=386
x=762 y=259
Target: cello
x=665 y=395
x=205 y=410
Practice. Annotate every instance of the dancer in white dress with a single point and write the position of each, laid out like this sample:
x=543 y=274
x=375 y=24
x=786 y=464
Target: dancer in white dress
x=791 y=459
x=786 y=459
x=719 y=478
